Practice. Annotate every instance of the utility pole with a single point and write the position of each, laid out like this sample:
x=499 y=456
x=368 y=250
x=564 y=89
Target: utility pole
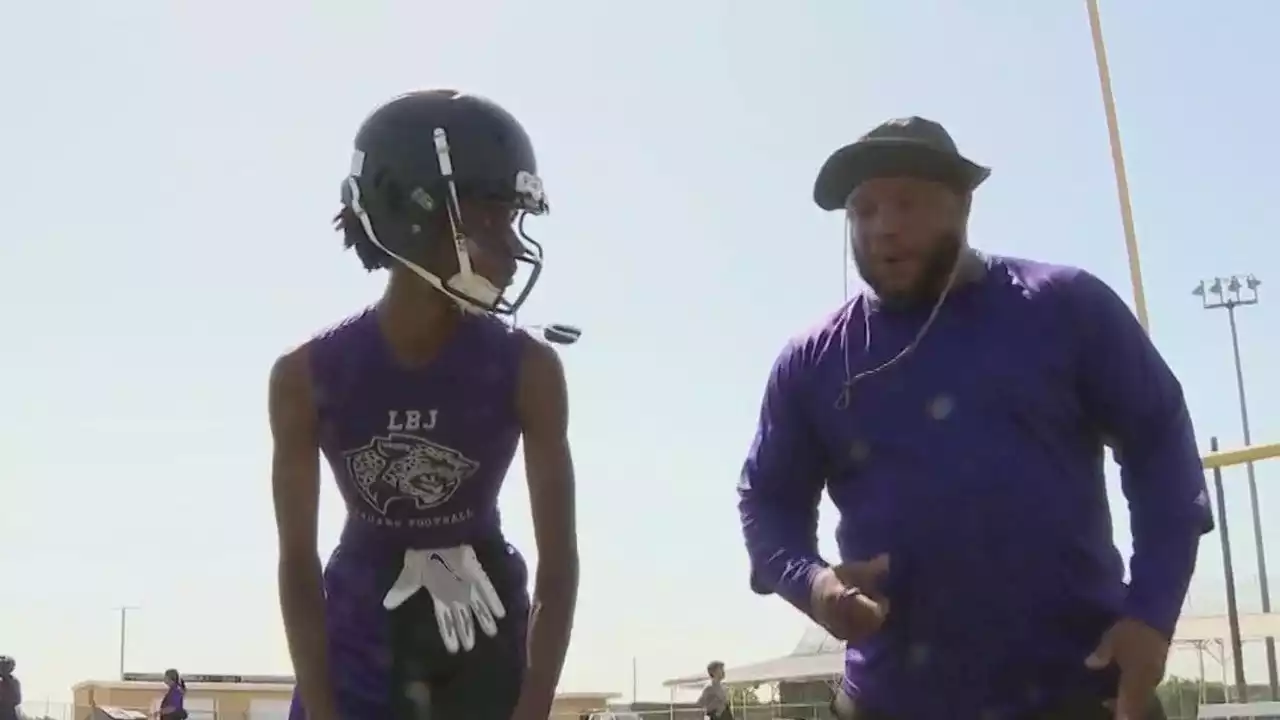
x=1228 y=294
x=1233 y=607
x=124 y=624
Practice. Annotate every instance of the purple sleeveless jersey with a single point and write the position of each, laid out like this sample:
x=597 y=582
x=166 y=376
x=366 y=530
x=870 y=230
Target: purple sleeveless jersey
x=419 y=456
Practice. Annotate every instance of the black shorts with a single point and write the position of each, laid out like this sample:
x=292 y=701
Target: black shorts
x=479 y=684
x=393 y=665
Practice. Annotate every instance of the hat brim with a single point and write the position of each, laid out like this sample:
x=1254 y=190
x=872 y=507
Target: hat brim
x=851 y=165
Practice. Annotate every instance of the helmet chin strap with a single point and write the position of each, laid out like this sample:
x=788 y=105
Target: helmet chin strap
x=466 y=283
x=470 y=285
x=468 y=290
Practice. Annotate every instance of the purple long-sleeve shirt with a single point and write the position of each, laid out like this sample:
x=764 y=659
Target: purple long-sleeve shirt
x=976 y=462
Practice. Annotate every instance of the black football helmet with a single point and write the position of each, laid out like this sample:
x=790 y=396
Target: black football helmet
x=416 y=156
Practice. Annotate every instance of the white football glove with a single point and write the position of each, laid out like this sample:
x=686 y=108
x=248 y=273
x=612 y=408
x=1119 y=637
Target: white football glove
x=460 y=588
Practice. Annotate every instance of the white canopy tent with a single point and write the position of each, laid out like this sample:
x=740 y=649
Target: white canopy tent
x=819 y=656
x=1202 y=628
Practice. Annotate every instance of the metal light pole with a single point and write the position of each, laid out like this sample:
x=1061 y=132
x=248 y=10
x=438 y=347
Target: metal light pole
x=1229 y=294
x=124 y=623
x=1233 y=608
x=1217 y=459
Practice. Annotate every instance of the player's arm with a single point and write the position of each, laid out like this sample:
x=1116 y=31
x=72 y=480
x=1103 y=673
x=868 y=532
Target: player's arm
x=543 y=406
x=780 y=489
x=295 y=484
x=1131 y=395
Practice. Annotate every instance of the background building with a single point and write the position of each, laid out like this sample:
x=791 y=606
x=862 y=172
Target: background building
x=801 y=684
x=209 y=697
x=244 y=697
x=571 y=706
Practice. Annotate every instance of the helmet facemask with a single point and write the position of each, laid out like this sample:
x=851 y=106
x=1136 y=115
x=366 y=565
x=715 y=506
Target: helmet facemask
x=468 y=289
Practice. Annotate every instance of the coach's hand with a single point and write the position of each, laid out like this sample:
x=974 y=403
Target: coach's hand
x=1140 y=652
x=847 y=600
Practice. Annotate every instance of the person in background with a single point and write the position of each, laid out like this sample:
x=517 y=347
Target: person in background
x=956 y=411
x=171 y=706
x=715 y=696
x=10 y=689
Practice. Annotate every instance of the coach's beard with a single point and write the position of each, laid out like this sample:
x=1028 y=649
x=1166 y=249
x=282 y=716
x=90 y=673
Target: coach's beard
x=953 y=263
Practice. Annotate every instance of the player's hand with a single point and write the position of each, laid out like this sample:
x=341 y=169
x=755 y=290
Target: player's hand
x=1140 y=652
x=460 y=589
x=847 y=599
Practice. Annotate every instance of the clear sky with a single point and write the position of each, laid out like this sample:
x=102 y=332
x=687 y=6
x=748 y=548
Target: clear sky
x=171 y=169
